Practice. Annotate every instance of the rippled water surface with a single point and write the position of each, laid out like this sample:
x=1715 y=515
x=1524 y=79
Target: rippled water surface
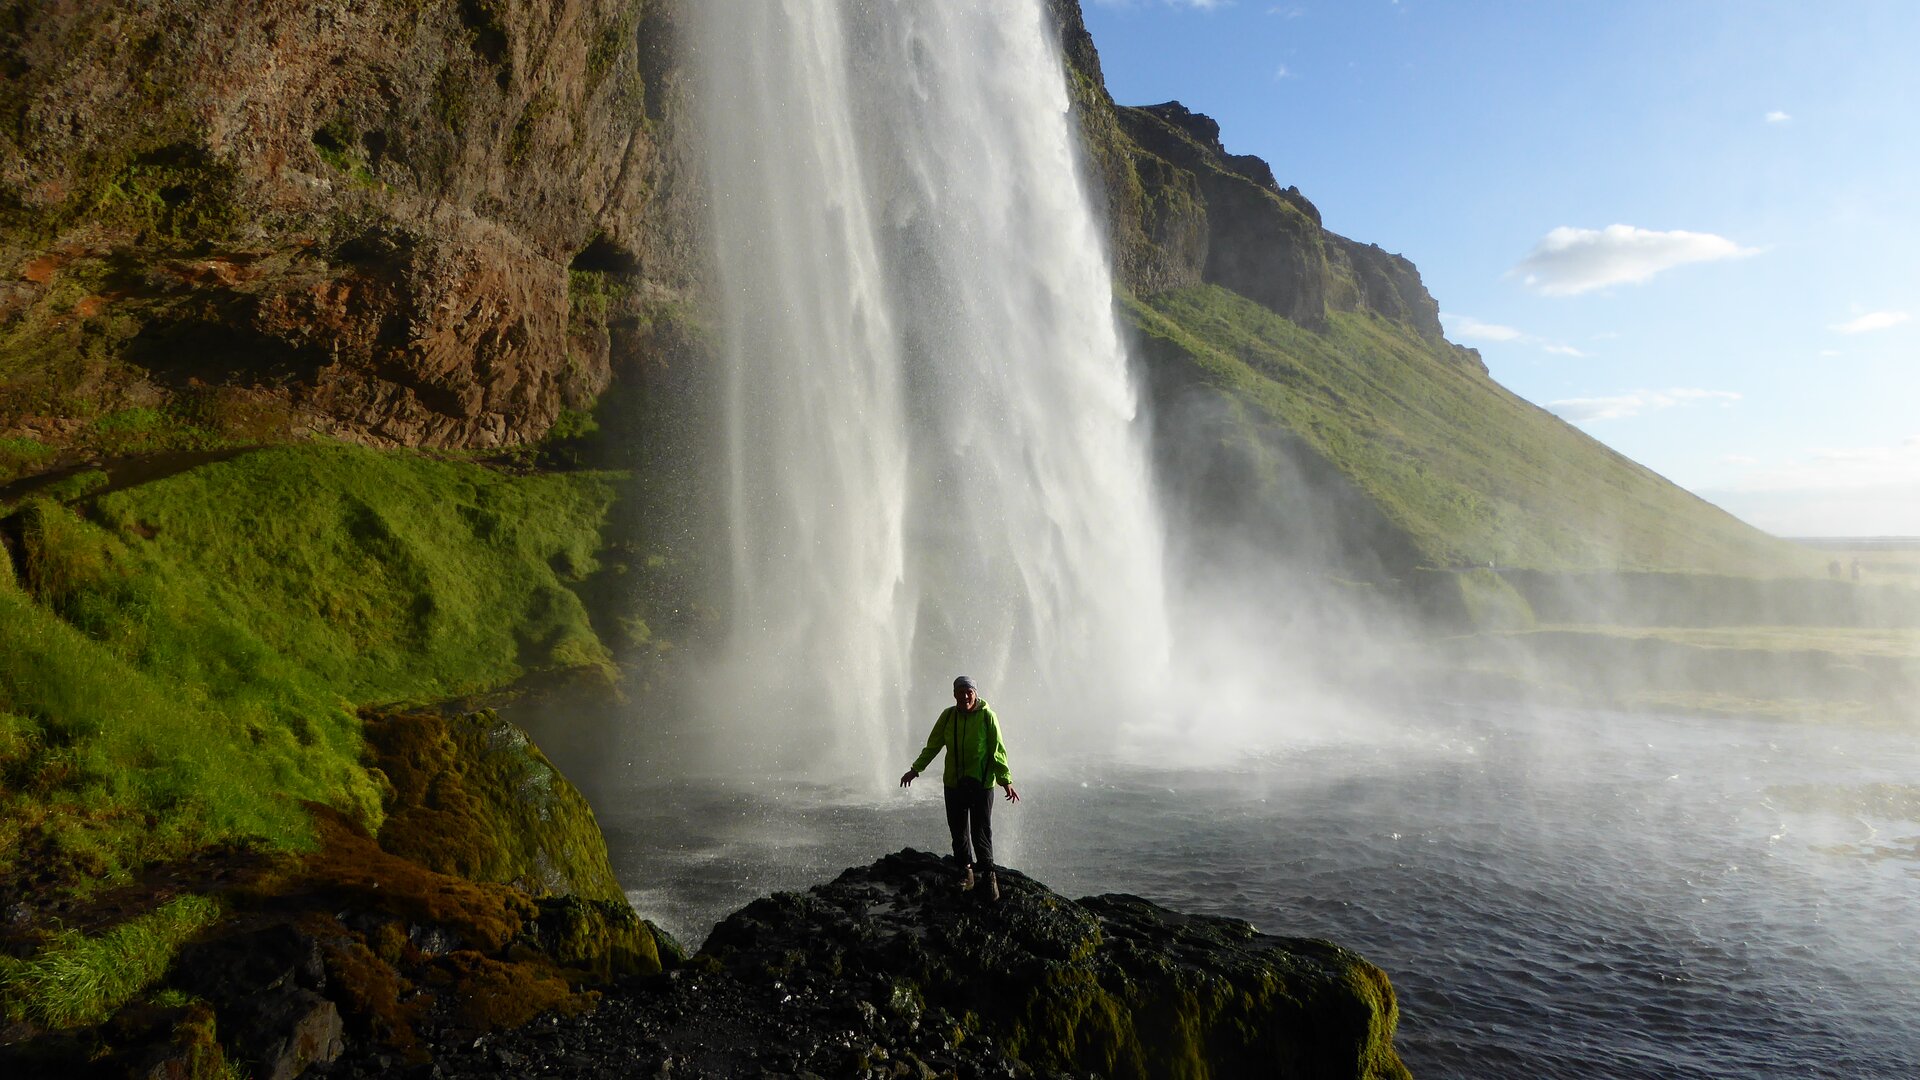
x=1563 y=894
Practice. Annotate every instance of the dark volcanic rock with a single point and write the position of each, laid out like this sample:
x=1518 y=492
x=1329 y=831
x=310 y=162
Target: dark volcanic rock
x=890 y=971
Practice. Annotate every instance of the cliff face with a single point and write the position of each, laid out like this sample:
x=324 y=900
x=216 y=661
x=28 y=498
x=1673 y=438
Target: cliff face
x=392 y=222
x=443 y=225
x=1183 y=211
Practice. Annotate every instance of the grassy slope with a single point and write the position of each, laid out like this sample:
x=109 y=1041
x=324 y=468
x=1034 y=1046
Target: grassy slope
x=183 y=657
x=1469 y=471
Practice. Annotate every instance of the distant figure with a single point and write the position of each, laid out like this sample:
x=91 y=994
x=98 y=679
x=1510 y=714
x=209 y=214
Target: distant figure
x=1833 y=569
x=976 y=761
x=1855 y=568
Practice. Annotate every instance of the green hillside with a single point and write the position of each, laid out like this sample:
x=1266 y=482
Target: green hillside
x=1461 y=471
x=184 y=657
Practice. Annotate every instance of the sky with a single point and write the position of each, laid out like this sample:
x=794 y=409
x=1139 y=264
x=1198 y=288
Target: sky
x=1691 y=228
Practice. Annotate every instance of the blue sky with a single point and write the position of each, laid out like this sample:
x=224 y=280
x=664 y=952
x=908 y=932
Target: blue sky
x=1692 y=228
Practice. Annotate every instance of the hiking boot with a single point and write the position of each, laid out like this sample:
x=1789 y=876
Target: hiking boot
x=967 y=884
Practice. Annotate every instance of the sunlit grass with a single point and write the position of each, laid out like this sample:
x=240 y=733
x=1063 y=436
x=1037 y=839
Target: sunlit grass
x=184 y=658
x=1471 y=473
x=80 y=979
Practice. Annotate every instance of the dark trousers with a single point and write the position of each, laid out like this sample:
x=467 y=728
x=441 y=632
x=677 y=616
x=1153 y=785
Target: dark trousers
x=970 y=820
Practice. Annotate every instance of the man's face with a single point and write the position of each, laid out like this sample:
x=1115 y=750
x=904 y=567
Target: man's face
x=965 y=697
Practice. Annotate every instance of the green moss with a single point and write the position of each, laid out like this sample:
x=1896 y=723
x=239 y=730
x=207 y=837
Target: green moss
x=452 y=97
x=79 y=978
x=20 y=455
x=390 y=576
x=602 y=938
x=572 y=424
x=520 y=139
x=77 y=486
x=183 y=663
x=614 y=40
x=471 y=796
x=337 y=142
x=146 y=430
x=592 y=293
x=180 y=191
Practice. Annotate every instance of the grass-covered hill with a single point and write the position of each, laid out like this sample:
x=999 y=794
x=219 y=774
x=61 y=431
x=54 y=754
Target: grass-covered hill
x=1459 y=471
x=212 y=708
x=184 y=657
x=1319 y=440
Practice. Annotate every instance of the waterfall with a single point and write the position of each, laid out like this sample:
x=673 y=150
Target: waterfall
x=934 y=465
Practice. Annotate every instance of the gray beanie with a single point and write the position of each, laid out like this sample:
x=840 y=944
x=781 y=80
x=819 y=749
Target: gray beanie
x=963 y=682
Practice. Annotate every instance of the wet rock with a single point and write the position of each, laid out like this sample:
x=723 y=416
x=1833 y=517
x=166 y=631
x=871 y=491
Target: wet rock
x=239 y=965
x=283 y=1034
x=891 y=971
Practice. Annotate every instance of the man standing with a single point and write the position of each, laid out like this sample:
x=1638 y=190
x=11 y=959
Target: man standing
x=976 y=761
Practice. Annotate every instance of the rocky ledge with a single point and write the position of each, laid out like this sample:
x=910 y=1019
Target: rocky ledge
x=892 y=971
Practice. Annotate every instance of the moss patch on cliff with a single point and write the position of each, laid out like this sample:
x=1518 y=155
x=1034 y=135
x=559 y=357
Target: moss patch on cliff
x=184 y=655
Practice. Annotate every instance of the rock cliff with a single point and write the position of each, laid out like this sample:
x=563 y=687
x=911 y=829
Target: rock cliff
x=393 y=222
x=1183 y=211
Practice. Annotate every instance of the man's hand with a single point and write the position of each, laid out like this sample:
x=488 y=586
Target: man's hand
x=1012 y=795
x=907 y=779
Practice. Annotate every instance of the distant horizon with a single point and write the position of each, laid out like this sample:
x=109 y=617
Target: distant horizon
x=1809 y=539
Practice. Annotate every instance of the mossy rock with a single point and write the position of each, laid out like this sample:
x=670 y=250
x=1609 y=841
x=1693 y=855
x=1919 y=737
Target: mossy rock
x=602 y=938
x=1112 y=985
x=473 y=797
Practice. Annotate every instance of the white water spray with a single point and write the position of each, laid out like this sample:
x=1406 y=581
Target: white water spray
x=935 y=465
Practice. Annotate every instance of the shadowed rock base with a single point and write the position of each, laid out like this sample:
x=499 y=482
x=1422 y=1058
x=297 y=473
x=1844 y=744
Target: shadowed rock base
x=890 y=971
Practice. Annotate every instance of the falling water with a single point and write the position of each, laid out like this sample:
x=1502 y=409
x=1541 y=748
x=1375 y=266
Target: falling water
x=934 y=461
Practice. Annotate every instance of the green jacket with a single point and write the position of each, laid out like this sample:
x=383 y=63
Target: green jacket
x=973 y=746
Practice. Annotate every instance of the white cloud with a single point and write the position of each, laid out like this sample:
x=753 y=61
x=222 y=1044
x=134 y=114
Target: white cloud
x=1282 y=72
x=1569 y=261
x=1828 y=354
x=1471 y=329
x=1738 y=459
x=1633 y=403
x=1873 y=320
x=1468 y=328
x=1778 y=117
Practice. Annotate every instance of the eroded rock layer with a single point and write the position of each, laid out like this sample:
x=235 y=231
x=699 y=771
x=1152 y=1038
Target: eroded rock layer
x=400 y=223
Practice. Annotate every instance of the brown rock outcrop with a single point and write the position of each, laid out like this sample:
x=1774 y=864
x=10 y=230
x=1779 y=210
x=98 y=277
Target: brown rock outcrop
x=385 y=213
